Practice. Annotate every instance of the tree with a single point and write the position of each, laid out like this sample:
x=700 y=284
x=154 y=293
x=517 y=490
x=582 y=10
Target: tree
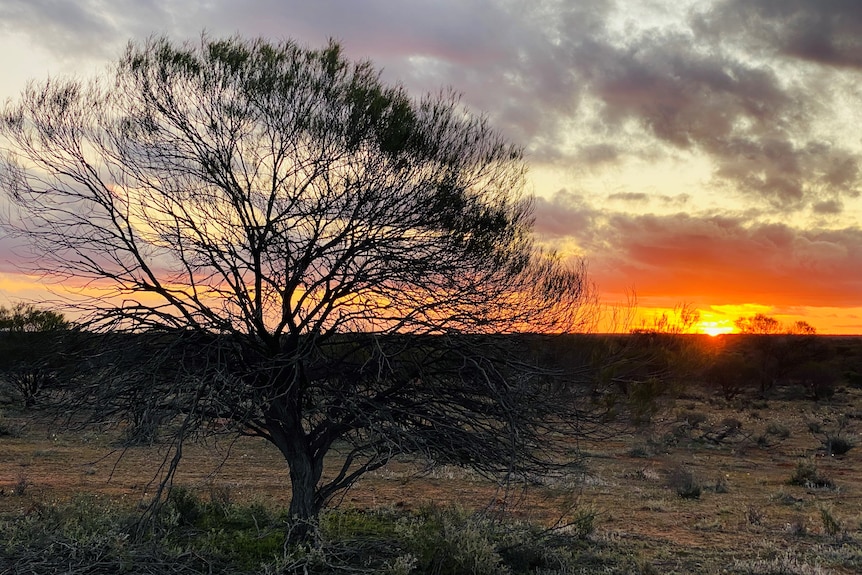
x=759 y=324
x=801 y=328
x=778 y=349
x=29 y=348
x=299 y=252
x=22 y=317
x=762 y=324
x=682 y=320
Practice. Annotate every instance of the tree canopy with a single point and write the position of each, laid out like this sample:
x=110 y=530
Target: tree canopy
x=23 y=317
x=321 y=257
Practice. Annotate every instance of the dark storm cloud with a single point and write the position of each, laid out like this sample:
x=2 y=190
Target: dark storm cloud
x=821 y=31
x=752 y=123
x=558 y=78
x=509 y=59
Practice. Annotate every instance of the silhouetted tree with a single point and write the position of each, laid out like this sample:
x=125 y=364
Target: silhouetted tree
x=23 y=317
x=311 y=256
x=30 y=340
x=802 y=328
x=777 y=349
x=731 y=374
x=759 y=324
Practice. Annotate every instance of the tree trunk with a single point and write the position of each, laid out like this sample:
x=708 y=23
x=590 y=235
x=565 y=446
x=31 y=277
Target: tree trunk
x=303 y=485
x=305 y=474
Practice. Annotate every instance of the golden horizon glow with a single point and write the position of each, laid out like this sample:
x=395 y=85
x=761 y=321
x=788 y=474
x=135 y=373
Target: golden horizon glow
x=617 y=318
x=713 y=328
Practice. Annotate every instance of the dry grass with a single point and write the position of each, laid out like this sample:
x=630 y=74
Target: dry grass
x=749 y=518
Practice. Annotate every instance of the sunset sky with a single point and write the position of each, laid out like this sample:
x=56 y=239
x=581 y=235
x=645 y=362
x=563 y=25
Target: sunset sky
x=706 y=152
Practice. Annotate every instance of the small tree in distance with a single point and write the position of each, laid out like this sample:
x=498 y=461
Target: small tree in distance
x=778 y=348
x=29 y=338
x=762 y=324
x=26 y=318
x=301 y=253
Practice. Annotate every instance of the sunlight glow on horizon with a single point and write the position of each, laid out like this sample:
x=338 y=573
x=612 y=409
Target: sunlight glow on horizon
x=713 y=328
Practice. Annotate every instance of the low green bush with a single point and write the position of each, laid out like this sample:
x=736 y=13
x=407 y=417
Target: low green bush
x=193 y=536
x=806 y=475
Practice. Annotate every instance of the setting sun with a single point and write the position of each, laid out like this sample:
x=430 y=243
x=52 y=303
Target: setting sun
x=713 y=328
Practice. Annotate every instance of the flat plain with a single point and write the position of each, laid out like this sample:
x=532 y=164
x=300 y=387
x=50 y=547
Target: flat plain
x=708 y=485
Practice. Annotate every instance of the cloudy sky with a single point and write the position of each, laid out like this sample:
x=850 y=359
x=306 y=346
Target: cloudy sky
x=694 y=151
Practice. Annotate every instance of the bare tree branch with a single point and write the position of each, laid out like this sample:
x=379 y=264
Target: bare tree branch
x=297 y=251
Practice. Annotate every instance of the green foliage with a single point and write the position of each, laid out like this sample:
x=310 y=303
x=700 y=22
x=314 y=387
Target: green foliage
x=806 y=475
x=85 y=530
x=194 y=536
x=312 y=202
x=356 y=523
x=245 y=536
x=450 y=542
x=643 y=398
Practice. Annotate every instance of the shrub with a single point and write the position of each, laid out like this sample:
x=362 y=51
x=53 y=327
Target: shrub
x=831 y=526
x=684 y=483
x=853 y=378
x=731 y=423
x=9 y=428
x=833 y=442
x=30 y=382
x=184 y=506
x=720 y=485
x=754 y=515
x=732 y=374
x=797 y=527
x=21 y=485
x=818 y=379
x=806 y=475
x=837 y=445
x=785 y=564
x=643 y=398
x=640 y=451
x=785 y=498
x=778 y=430
x=195 y=536
x=449 y=542
x=583 y=524
x=694 y=418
